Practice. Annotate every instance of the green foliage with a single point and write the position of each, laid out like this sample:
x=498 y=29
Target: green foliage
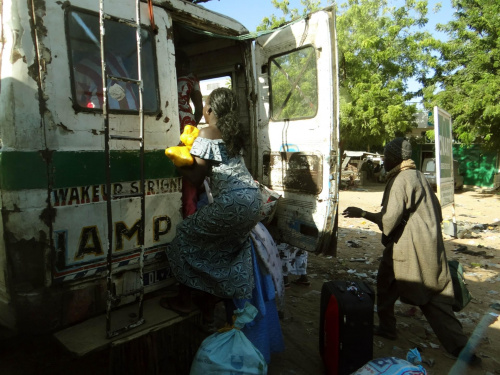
x=380 y=49
x=469 y=75
x=273 y=22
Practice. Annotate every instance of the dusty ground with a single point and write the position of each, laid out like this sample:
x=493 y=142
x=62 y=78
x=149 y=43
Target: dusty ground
x=482 y=274
x=40 y=355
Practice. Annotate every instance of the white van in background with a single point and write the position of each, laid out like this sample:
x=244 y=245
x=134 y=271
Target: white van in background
x=429 y=170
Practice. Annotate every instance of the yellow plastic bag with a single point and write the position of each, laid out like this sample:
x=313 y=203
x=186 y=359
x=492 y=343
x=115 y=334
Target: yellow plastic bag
x=189 y=135
x=180 y=156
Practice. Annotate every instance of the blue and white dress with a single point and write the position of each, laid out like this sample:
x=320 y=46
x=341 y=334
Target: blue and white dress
x=212 y=251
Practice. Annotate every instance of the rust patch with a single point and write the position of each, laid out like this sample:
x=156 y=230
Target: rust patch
x=95 y=132
x=170 y=33
x=16 y=55
x=33 y=71
x=159 y=116
x=47 y=155
x=39 y=6
x=27 y=260
x=37 y=11
x=16 y=209
x=63 y=4
x=48 y=215
x=64 y=128
x=166 y=104
x=40 y=11
x=166 y=119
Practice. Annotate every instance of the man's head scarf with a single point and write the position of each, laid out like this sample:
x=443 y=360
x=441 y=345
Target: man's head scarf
x=398 y=150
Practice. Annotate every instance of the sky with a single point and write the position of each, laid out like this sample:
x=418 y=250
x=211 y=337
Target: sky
x=251 y=13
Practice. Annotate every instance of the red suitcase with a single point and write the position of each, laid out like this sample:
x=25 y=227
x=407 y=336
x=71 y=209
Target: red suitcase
x=346 y=326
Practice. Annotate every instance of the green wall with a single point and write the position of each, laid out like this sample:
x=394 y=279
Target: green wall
x=478 y=166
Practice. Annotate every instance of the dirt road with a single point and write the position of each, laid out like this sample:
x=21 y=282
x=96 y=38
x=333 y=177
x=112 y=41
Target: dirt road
x=477 y=214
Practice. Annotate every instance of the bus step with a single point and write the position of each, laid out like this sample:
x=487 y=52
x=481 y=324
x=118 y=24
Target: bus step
x=89 y=336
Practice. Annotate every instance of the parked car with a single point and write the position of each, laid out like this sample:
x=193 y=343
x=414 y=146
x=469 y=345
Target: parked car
x=429 y=170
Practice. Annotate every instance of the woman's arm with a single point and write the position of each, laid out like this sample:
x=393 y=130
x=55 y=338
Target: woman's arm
x=196 y=172
x=200 y=168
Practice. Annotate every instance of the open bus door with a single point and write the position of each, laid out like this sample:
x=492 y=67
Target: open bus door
x=297 y=129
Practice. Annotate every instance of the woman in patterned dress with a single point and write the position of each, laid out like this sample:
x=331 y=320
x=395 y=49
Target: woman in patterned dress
x=211 y=251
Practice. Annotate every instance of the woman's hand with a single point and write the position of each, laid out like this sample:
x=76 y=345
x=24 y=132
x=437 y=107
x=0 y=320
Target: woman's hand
x=352 y=212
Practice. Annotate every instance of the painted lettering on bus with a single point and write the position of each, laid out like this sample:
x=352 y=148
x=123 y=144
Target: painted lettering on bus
x=97 y=193
x=90 y=242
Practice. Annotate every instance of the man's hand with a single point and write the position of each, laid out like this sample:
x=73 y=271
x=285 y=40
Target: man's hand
x=352 y=212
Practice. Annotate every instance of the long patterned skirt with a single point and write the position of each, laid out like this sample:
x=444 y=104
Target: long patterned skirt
x=212 y=252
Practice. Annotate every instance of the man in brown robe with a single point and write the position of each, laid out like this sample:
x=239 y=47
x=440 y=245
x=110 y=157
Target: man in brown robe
x=414 y=267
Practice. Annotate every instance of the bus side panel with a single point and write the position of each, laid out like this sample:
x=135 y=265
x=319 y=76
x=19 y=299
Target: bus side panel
x=52 y=174
x=19 y=90
x=24 y=245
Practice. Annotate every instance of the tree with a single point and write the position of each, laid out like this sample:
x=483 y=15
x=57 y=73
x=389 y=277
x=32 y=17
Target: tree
x=468 y=76
x=380 y=50
x=273 y=22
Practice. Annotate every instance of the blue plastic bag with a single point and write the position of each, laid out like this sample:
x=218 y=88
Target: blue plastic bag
x=230 y=352
x=390 y=365
x=413 y=356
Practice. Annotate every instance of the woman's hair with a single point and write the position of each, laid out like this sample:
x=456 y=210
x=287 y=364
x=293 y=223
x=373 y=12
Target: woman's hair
x=225 y=106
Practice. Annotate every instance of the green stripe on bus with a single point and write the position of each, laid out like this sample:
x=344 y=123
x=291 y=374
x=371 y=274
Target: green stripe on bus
x=22 y=170
x=28 y=170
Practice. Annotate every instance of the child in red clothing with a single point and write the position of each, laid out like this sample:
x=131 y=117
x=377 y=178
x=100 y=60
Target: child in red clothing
x=188 y=89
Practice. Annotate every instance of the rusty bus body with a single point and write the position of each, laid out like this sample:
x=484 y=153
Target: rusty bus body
x=52 y=164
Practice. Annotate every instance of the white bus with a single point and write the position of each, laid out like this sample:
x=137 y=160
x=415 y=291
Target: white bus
x=79 y=235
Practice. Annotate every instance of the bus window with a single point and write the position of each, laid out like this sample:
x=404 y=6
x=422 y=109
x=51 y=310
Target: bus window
x=121 y=61
x=294 y=85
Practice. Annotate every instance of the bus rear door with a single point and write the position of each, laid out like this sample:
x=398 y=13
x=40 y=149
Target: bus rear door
x=297 y=129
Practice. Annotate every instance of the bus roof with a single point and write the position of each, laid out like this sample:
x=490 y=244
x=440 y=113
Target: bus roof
x=199 y=17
